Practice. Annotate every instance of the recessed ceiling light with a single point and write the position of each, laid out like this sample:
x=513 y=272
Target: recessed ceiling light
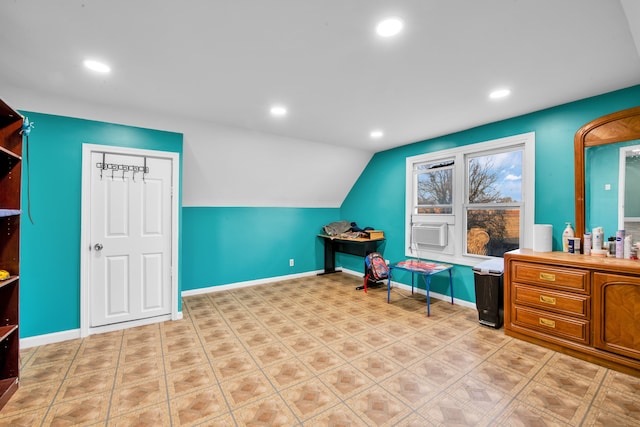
x=376 y=134
x=500 y=93
x=100 y=67
x=278 y=111
x=389 y=27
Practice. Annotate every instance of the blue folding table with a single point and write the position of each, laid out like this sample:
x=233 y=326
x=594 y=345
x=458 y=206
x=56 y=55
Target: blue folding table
x=423 y=268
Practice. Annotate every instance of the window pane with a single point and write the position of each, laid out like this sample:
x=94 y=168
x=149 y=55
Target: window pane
x=435 y=189
x=492 y=232
x=495 y=178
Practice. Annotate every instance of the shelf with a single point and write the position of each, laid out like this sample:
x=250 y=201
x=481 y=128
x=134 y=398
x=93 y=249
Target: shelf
x=9 y=281
x=8 y=386
x=9 y=154
x=9 y=212
x=5 y=331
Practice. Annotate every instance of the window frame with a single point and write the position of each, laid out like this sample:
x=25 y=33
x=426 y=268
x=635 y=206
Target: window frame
x=455 y=251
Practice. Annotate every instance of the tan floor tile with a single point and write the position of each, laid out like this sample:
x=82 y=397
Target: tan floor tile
x=321 y=360
x=416 y=420
x=55 y=353
x=178 y=360
x=270 y=411
x=287 y=330
x=618 y=403
x=484 y=399
x=439 y=374
x=455 y=356
x=516 y=362
x=567 y=382
x=346 y=381
x=131 y=397
x=131 y=354
x=352 y=326
x=423 y=342
x=622 y=382
x=39 y=374
x=376 y=366
x=402 y=354
x=375 y=338
x=287 y=373
x=81 y=386
x=411 y=389
x=211 y=335
x=500 y=378
x=94 y=362
x=301 y=344
x=597 y=417
x=190 y=379
x=181 y=342
x=30 y=398
x=151 y=416
x=136 y=371
x=446 y=410
x=257 y=339
x=577 y=366
x=247 y=388
x=23 y=419
x=350 y=348
x=224 y=348
x=308 y=398
x=339 y=415
x=378 y=407
x=238 y=364
x=557 y=403
x=271 y=353
x=197 y=407
x=86 y=411
x=518 y=414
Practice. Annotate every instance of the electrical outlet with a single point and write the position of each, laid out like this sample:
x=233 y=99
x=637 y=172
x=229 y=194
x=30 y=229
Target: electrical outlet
x=291 y=262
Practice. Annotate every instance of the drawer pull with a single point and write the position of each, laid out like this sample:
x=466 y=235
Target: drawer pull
x=547 y=300
x=547 y=322
x=548 y=277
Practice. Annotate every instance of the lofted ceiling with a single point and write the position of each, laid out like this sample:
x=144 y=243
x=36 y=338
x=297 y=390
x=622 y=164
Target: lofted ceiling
x=228 y=61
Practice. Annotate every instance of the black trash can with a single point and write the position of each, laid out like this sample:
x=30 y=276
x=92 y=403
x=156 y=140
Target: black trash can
x=488 y=276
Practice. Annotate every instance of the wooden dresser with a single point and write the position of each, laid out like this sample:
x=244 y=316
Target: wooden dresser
x=580 y=305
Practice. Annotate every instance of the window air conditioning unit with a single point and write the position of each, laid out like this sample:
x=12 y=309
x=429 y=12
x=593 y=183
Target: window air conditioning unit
x=429 y=234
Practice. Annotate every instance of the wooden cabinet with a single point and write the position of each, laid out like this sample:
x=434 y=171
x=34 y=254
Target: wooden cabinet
x=10 y=183
x=580 y=305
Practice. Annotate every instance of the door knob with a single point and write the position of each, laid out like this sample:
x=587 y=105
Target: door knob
x=98 y=247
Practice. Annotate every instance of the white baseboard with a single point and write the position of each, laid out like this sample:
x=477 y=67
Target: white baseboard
x=37 y=340
x=238 y=285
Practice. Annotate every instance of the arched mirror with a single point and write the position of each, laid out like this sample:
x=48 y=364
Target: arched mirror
x=605 y=164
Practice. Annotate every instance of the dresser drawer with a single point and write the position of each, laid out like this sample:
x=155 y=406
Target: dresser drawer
x=571 y=304
x=552 y=324
x=550 y=277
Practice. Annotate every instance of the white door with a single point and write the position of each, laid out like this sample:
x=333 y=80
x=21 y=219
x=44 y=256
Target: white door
x=130 y=242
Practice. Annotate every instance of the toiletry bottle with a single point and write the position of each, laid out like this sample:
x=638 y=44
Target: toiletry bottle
x=598 y=238
x=566 y=234
x=627 y=246
x=612 y=246
x=620 y=244
x=587 y=243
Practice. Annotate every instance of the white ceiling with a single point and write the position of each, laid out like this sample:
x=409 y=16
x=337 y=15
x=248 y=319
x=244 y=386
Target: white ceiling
x=228 y=61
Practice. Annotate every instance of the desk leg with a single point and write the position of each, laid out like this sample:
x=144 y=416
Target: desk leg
x=389 y=287
x=451 y=286
x=427 y=280
x=329 y=258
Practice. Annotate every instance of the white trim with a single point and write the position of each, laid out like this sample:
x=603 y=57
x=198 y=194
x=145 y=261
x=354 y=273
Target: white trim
x=239 y=285
x=55 y=337
x=453 y=253
x=87 y=150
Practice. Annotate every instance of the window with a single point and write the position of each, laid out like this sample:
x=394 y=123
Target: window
x=483 y=193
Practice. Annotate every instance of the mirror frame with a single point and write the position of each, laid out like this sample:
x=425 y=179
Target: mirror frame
x=615 y=127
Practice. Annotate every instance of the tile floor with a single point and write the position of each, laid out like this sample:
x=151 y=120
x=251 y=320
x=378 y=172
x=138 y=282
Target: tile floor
x=315 y=352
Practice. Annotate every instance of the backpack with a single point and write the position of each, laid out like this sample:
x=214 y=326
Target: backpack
x=376 y=268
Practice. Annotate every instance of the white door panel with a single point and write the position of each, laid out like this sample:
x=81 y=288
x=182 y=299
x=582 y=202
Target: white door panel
x=130 y=276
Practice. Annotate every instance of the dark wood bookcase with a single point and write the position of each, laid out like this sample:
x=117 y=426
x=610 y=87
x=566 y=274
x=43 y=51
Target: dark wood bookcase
x=10 y=185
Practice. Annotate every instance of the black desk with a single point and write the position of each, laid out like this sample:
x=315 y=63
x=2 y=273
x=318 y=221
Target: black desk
x=359 y=247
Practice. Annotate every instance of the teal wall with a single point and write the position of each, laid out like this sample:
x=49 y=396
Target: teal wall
x=554 y=195
x=50 y=247
x=224 y=245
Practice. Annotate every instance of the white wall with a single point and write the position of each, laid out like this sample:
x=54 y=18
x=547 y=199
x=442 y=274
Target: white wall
x=226 y=166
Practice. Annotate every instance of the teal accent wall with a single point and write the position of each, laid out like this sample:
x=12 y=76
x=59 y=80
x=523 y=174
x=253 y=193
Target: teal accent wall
x=224 y=245
x=378 y=196
x=50 y=247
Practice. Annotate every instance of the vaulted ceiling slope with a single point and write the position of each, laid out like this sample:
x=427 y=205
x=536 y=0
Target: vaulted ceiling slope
x=228 y=61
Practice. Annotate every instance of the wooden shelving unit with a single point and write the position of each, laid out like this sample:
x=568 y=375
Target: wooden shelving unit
x=10 y=184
